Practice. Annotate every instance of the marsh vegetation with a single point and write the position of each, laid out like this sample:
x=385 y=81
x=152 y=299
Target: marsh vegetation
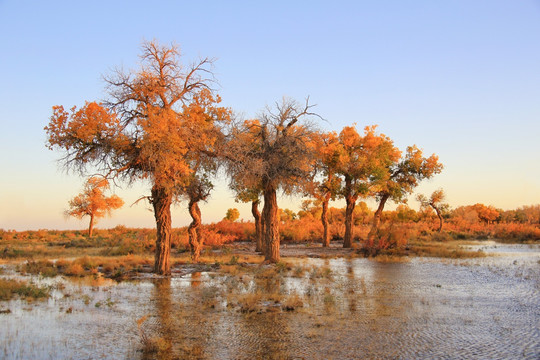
x=315 y=303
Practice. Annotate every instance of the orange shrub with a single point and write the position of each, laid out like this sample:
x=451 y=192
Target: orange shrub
x=240 y=231
x=214 y=238
x=74 y=269
x=516 y=231
x=305 y=229
x=393 y=236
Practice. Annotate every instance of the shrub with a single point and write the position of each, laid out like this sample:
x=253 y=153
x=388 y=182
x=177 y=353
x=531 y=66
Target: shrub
x=304 y=229
x=74 y=269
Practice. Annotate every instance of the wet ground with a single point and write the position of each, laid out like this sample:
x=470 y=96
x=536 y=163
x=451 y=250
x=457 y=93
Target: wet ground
x=316 y=308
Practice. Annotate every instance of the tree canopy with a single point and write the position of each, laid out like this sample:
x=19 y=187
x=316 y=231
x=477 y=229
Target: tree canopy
x=272 y=152
x=92 y=202
x=154 y=124
x=364 y=163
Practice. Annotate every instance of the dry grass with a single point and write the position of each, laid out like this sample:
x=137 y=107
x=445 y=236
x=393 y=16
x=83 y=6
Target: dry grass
x=11 y=288
x=256 y=302
x=248 y=303
x=385 y=258
x=323 y=272
x=443 y=250
x=396 y=239
x=40 y=267
x=113 y=267
x=152 y=344
x=441 y=247
x=299 y=271
x=292 y=302
x=210 y=297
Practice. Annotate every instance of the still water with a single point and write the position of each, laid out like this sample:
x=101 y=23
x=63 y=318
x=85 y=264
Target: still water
x=425 y=308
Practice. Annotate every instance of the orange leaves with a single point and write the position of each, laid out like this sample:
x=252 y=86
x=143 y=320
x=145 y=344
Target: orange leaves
x=436 y=201
x=437 y=196
x=364 y=161
x=88 y=134
x=349 y=138
x=155 y=124
x=92 y=201
x=486 y=213
x=432 y=165
x=162 y=147
x=93 y=120
x=82 y=127
x=56 y=127
x=202 y=120
x=407 y=172
x=415 y=162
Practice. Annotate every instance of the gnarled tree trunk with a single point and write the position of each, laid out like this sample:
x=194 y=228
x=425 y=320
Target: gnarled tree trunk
x=258 y=225
x=324 y=220
x=376 y=221
x=349 y=212
x=195 y=240
x=161 y=201
x=271 y=224
x=91 y=226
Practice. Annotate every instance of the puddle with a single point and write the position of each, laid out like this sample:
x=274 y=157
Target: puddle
x=357 y=308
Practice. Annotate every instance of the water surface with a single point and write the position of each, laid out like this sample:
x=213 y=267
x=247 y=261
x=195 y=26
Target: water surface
x=425 y=308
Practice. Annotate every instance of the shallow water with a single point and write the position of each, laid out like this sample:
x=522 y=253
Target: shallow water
x=426 y=308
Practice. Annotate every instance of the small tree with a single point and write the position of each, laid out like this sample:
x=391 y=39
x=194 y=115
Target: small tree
x=204 y=121
x=363 y=162
x=326 y=183
x=403 y=176
x=93 y=203
x=487 y=214
x=436 y=202
x=232 y=215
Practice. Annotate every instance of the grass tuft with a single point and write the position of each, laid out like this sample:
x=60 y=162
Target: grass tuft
x=11 y=288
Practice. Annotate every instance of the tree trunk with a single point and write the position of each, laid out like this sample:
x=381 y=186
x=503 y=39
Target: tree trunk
x=271 y=224
x=439 y=215
x=161 y=201
x=376 y=221
x=349 y=212
x=324 y=220
x=195 y=241
x=91 y=226
x=258 y=225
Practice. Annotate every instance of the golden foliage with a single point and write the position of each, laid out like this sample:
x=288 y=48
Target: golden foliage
x=92 y=201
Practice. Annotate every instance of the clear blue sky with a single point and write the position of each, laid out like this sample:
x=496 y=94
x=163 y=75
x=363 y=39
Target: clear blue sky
x=458 y=78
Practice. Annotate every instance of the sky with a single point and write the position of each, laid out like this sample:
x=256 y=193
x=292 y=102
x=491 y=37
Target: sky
x=457 y=78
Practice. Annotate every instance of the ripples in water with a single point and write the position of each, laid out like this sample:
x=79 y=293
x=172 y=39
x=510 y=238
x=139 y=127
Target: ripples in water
x=422 y=309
